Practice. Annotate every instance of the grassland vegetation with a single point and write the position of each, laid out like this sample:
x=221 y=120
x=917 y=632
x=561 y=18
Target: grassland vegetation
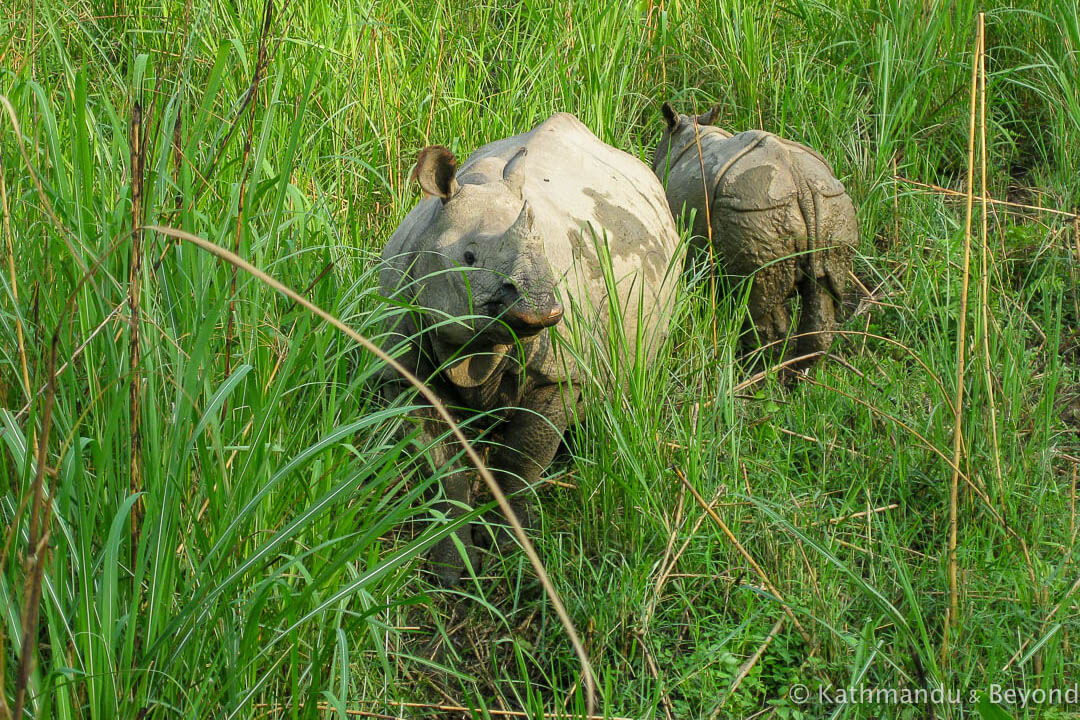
x=209 y=517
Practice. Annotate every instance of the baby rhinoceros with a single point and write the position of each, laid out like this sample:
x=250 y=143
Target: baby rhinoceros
x=509 y=259
x=778 y=215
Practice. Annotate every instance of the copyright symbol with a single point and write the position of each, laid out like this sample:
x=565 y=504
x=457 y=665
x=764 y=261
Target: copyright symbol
x=799 y=694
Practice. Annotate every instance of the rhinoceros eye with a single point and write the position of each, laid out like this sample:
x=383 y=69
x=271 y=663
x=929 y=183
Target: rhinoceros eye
x=470 y=257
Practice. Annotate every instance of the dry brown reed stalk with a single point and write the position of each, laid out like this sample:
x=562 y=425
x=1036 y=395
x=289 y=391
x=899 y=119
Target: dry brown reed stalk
x=665 y=701
x=178 y=161
x=41 y=511
x=643 y=629
x=74 y=355
x=138 y=164
x=746 y=555
x=896 y=202
x=88 y=275
x=1050 y=616
x=958 y=437
x=668 y=570
x=37 y=547
x=5 y=709
x=910 y=352
x=855 y=516
x=992 y=201
x=758 y=377
x=65 y=232
x=984 y=296
x=918 y=436
x=249 y=98
x=747 y=666
x=429 y=395
x=1072 y=508
x=260 y=66
x=708 y=230
x=435 y=85
x=20 y=341
x=375 y=41
x=38 y=539
x=1075 y=262
x=774 y=369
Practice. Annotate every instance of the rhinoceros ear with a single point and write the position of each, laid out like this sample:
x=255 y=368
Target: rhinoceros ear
x=710 y=117
x=435 y=168
x=513 y=174
x=670 y=116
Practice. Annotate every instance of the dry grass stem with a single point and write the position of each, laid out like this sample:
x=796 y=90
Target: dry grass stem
x=863 y=514
x=46 y=203
x=708 y=229
x=747 y=666
x=20 y=340
x=1048 y=618
x=138 y=162
x=984 y=295
x=746 y=555
x=38 y=542
x=253 y=93
x=270 y=709
x=961 y=340
x=983 y=198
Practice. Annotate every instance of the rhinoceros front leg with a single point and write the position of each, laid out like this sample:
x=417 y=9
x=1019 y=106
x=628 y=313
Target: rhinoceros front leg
x=529 y=443
x=456 y=495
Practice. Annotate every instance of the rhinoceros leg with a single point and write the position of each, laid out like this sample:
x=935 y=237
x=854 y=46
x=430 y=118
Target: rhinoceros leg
x=768 y=305
x=817 y=319
x=445 y=557
x=775 y=326
x=456 y=495
x=529 y=443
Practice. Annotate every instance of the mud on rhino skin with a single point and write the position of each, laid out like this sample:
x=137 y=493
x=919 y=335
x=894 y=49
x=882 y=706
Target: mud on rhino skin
x=778 y=215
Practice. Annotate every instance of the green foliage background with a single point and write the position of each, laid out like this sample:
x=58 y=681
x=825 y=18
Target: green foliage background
x=275 y=572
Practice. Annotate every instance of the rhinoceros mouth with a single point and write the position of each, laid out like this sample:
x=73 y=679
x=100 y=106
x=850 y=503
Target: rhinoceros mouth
x=524 y=320
x=530 y=318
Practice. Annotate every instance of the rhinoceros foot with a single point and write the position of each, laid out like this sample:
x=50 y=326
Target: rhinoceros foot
x=446 y=562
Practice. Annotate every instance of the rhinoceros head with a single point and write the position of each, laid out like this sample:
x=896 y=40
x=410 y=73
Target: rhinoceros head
x=482 y=258
x=678 y=131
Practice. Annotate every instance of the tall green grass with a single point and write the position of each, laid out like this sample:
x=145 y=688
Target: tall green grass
x=276 y=568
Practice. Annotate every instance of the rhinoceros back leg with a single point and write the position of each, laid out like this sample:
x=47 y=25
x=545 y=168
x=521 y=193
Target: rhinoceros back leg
x=817 y=314
x=833 y=231
x=749 y=246
x=817 y=319
x=529 y=443
x=768 y=306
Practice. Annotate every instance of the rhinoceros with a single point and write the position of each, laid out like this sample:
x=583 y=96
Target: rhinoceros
x=778 y=215
x=508 y=261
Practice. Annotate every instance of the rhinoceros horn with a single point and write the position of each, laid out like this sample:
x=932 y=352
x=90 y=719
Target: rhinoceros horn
x=520 y=231
x=532 y=312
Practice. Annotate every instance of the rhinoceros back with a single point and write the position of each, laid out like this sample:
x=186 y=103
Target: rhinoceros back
x=767 y=198
x=594 y=205
x=769 y=187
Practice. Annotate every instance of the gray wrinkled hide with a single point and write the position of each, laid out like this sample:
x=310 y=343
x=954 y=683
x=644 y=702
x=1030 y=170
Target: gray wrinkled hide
x=778 y=214
x=531 y=221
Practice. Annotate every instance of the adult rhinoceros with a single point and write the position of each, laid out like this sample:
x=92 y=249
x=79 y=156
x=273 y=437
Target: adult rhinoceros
x=777 y=213
x=507 y=261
